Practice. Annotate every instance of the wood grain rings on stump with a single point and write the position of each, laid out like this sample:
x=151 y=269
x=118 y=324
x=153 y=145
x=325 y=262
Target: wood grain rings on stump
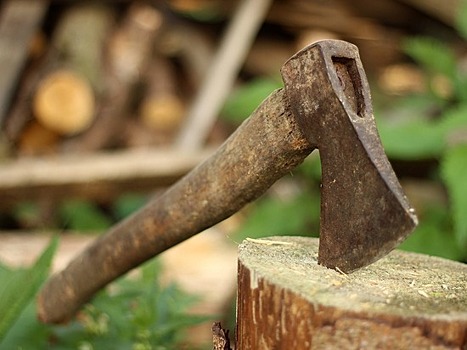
x=404 y=301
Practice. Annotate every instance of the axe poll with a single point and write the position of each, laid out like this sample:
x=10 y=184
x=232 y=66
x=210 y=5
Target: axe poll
x=325 y=104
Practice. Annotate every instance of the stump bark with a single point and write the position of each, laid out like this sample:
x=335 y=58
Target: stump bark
x=404 y=301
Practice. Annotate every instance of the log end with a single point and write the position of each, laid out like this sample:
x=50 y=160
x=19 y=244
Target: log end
x=64 y=102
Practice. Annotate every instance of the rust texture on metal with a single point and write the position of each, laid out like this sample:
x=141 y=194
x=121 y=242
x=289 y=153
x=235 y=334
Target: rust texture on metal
x=364 y=212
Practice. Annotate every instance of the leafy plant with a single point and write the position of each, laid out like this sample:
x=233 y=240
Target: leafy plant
x=243 y=101
x=301 y=214
x=134 y=313
x=81 y=215
x=137 y=313
x=422 y=137
x=127 y=204
x=19 y=287
x=434 y=234
x=296 y=213
x=453 y=171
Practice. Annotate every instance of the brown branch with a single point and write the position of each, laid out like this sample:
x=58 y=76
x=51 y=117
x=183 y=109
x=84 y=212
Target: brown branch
x=225 y=67
x=98 y=175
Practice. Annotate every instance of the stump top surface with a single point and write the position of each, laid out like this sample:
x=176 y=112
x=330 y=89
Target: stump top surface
x=402 y=283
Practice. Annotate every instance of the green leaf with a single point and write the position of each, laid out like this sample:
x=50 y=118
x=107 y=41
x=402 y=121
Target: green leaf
x=460 y=86
x=276 y=217
x=242 y=102
x=453 y=172
x=311 y=168
x=407 y=131
x=452 y=121
x=134 y=311
x=417 y=139
x=19 y=287
x=421 y=138
x=84 y=216
x=205 y=11
x=432 y=55
x=127 y=204
x=28 y=214
x=434 y=235
x=28 y=332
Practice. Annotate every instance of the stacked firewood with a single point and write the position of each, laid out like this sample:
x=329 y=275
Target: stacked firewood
x=113 y=74
x=97 y=81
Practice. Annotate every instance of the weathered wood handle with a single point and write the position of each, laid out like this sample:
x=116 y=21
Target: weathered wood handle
x=264 y=148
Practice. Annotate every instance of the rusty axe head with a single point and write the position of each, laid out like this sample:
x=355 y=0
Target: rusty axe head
x=364 y=213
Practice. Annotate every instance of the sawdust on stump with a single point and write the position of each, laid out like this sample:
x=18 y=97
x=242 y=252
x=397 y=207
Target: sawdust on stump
x=404 y=301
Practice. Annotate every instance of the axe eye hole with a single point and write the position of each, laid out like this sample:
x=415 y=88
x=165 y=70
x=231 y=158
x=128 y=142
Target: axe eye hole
x=351 y=83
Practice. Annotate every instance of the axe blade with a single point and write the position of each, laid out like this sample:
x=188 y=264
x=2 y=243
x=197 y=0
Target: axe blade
x=364 y=212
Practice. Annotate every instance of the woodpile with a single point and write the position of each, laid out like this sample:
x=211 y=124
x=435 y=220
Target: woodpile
x=137 y=60
x=131 y=74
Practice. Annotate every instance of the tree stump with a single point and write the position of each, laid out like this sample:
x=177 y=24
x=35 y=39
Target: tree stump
x=404 y=301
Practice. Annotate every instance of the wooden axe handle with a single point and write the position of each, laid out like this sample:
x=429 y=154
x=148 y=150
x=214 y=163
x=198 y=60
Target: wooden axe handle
x=266 y=146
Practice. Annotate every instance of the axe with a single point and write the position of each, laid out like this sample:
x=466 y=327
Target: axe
x=325 y=104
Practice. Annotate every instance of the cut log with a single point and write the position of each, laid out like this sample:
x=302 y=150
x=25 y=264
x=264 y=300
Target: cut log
x=65 y=78
x=162 y=112
x=64 y=102
x=128 y=53
x=100 y=176
x=162 y=109
x=83 y=52
x=404 y=301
